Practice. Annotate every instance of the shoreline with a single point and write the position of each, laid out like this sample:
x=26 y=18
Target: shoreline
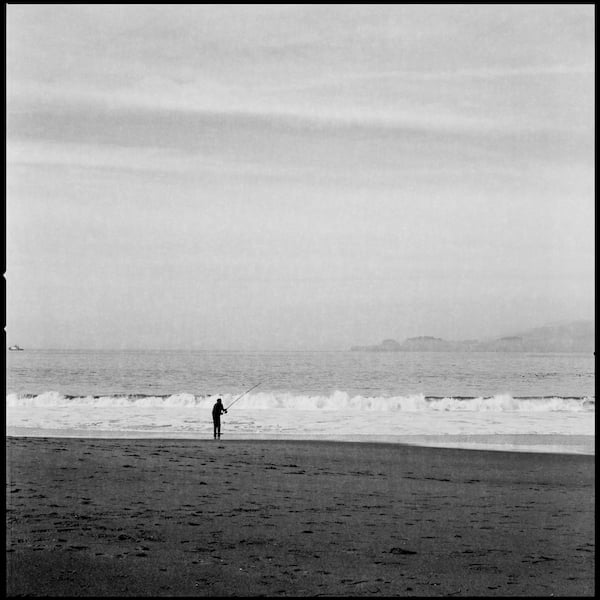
x=547 y=443
x=157 y=517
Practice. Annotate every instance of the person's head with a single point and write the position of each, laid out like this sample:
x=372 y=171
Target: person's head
x=218 y=400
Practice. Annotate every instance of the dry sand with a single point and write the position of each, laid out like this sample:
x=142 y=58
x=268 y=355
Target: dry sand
x=174 y=517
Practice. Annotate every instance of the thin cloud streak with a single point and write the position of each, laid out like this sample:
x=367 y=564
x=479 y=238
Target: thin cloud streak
x=212 y=139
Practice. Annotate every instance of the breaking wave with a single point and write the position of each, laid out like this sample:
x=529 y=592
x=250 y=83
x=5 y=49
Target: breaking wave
x=340 y=401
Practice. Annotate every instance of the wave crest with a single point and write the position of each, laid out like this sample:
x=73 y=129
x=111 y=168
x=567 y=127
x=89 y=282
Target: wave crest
x=338 y=400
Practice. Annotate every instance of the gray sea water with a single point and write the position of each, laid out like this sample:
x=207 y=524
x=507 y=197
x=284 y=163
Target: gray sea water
x=546 y=399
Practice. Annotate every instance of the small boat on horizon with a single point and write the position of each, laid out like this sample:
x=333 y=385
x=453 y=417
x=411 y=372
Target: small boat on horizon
x=15 y=347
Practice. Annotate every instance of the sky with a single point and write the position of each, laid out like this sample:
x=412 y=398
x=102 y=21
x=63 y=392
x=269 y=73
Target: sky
x=296 y=177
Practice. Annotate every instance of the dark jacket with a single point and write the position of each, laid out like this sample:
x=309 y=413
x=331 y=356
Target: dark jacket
x=218 y=410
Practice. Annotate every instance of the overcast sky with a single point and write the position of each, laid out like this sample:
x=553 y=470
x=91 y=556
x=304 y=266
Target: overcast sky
x=296 y=177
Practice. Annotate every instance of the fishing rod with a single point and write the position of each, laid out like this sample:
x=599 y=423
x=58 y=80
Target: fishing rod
x=242 y=395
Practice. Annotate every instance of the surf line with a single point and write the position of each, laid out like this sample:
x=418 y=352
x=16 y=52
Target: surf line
x=242 y=395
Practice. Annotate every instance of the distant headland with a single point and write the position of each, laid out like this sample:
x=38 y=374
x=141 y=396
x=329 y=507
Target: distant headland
x=575 y=336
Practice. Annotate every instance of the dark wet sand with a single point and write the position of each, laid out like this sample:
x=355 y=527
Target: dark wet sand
x=172 y=517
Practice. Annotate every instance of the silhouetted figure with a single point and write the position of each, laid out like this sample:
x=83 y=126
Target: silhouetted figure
x=218 y=410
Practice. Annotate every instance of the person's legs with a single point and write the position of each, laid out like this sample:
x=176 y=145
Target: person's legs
x=215 y=426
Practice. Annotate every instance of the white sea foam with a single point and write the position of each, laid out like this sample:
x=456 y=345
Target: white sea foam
x=335 y=416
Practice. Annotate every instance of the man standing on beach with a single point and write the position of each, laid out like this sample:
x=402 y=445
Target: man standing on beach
x=218 y=410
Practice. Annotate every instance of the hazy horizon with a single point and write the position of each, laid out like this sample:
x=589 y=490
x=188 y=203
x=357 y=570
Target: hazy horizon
x=296 y=177
x=292 y=349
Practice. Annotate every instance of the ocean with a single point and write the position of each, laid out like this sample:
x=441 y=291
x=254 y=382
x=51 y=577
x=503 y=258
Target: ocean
x=486 y=400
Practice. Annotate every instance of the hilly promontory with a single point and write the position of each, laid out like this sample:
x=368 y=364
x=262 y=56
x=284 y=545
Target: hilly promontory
x=574 y=336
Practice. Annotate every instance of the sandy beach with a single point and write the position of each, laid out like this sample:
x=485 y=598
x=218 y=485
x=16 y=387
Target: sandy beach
x=253 y=517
